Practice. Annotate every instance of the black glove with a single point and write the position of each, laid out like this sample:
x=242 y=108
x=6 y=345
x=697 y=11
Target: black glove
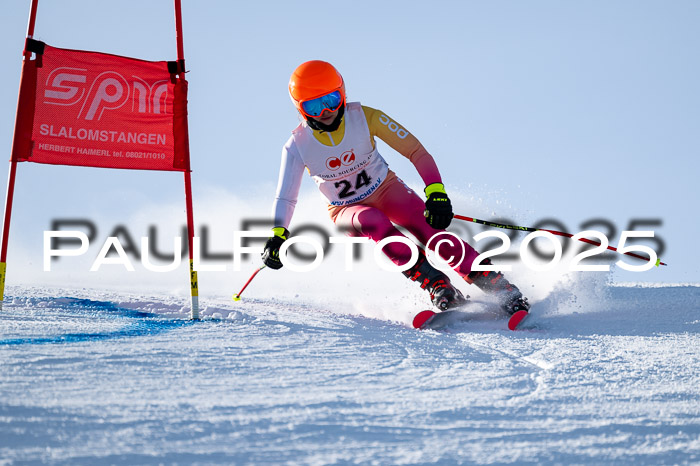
x=438 y=208
x=271 y=254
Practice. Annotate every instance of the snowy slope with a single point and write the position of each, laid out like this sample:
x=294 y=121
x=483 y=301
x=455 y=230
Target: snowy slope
x=603 y=375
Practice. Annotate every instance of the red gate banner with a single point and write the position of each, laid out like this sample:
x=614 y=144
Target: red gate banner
x=99 y=110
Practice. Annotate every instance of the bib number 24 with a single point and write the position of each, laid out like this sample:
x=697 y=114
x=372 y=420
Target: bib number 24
x=347 y=189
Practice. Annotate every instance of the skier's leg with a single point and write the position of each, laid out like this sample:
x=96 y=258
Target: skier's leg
x=442 y=293
x=404 y=207
x=494 y=283
x=370 y=222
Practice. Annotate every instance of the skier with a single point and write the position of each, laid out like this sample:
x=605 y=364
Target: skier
x=335 y=143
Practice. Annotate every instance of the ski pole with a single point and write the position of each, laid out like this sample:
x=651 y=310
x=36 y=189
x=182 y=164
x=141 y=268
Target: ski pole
x=237 y=297
x=554 y=232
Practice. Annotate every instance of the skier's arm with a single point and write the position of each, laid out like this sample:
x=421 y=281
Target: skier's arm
x=403 y=142
x=291 y=172
x=288 y=185
x=438 y=208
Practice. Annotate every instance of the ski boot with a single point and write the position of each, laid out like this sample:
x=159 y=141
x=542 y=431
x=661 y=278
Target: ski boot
x=494 y=283
x=442 y=293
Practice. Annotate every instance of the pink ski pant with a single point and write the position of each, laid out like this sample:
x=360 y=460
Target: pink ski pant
x=396 y=203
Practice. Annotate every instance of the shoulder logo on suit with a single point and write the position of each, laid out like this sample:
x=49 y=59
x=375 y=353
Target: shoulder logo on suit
x=393 y=127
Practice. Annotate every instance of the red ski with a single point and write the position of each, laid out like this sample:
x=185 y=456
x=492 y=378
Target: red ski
x=516 y=319
x=430 y=319
x=422 y=318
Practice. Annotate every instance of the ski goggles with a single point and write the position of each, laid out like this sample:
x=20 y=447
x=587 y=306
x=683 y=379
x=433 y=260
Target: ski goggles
x=316 y=107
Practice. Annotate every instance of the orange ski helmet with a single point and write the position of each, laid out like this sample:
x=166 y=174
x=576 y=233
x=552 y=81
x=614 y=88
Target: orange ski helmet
x=314 y=79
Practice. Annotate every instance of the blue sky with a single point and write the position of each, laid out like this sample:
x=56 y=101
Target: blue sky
x=533 y=110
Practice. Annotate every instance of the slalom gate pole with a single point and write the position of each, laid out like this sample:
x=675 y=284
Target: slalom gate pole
x=237 y=296
x=13 y=170
x=194 y=283
x=554 y=232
